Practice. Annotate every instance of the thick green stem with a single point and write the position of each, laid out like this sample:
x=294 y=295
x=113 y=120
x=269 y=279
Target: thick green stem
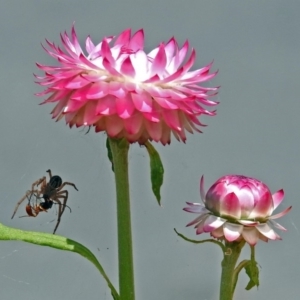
x=119 y=149
x=233 y=251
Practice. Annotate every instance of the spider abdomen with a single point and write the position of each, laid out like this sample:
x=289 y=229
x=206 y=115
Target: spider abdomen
x=46 y=205
x=55 y=182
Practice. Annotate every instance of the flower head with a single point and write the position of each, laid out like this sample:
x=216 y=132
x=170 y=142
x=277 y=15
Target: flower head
x=120 y=89
x=238 y=207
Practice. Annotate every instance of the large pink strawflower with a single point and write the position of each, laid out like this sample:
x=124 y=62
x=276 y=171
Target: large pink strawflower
x=238 y=207
x=119 y=88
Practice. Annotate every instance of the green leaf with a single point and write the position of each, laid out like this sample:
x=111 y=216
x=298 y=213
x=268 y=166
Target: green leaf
x=157 y=170
x=109 y=154
x=253 y=273
x=55 y=241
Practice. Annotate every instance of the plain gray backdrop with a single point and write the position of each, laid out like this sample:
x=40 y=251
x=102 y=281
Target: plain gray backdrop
x=255 y=46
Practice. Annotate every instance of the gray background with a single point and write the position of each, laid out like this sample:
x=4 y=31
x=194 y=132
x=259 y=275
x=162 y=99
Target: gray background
x=255 y=45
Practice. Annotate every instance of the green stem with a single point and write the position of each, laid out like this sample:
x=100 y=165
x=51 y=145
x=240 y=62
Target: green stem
x=119 y=149
x=228 y=281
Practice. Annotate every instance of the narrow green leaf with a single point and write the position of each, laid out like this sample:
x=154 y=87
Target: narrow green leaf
x=109 y=154
x=55 y=241
x=157 y=170
x=253 y=273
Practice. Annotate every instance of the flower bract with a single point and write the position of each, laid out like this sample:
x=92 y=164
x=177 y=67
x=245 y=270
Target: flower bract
x=118 y=88
x=238 y=207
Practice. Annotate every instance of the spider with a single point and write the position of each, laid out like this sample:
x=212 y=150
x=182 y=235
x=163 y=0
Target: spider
x=51 y=192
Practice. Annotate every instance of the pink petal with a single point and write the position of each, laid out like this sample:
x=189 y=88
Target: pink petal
x=277 y=198
x=127 y=68
x=123 y=38
x=137 y=41
x=230 y=206
x=159 y=62
x=124 y=107
x=263 y=207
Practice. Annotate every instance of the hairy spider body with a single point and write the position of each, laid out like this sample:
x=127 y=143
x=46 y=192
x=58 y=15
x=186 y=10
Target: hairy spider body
x=51 y=192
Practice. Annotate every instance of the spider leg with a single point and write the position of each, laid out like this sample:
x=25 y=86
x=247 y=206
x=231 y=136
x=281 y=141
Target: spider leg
x=64 y=195
x=67 y=183
x=50 y=173
x=20 y=201
x=60 y=212
x=38 y=182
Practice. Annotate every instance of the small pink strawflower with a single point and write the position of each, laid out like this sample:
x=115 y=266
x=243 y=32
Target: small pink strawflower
x=119 y=88
x=238 y=207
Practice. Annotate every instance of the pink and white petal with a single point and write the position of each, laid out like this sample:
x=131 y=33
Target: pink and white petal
x=212 y=223
x=73 y=105
x=106 y=52
x=123 y=38
x=170 y=50
x=124 y=106
x=106 y=106
x=277 y=225
x=142 y=102
x=197 y=209
x=59 y=107
x=281 y=214
x=277 y=198
x=180 y=56
x=267 y=231
x=165 y=135
x=58 y=95
x=218 y=233
x=153 y=117
x=154 y=128
x=172 y=120
x=263 y=207
x=137 y=41
x=250 y=235
x=90 y=116
x=230 y=206
x=202 y=192
x=133 y=124
x=159 y=61
x=199 y=227
x=189 y=64
x=248 y=222
x=114 y=125
x=77 y=83
x=139 y=61
x=263 y=238
x=127 y=68
x=232 y=231
x=197 y=220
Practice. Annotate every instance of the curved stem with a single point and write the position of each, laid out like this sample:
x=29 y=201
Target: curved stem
x=228 y=280
x=119 y=150
x=202 y=241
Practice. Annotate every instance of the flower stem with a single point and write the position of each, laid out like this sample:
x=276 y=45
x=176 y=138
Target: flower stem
x=228 y=281
x=119 y=149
